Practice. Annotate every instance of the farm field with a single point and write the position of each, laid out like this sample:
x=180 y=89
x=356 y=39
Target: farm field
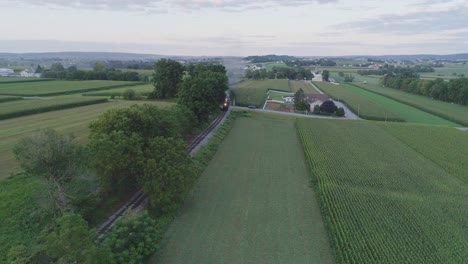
x=48 y=88
x=359 y=104
x=254 y=92
x=408 y=113
x=448 y=148
x=357 y=78
x=253 y=203
x=383 y=197
x=305 y=86
x=449 y=71
x=452 y=112
x=142 y=89
x=8 y=98
x=19 y=79
x=28 y=107
x=71 y=121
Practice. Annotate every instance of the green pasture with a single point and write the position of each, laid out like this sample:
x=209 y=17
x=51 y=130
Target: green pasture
x=449 y=71
x=270 y=65
x=254 y=92
x=453 y=112
x=253 y=203
x=387 y=193
x=361 y=105
x=141 y=89
x=408 y=113
x=49 y=88
x=277 y=96
x=71 y=121
x=357 y=78
x=24 y=107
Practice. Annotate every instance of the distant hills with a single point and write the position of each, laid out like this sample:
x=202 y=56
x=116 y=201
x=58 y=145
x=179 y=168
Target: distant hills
x=96 y=56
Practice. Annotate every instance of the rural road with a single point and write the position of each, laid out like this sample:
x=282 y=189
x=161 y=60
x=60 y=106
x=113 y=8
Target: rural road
x=286 y=113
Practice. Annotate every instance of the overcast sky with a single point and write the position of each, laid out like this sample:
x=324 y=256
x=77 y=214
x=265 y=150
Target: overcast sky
x=236 y=27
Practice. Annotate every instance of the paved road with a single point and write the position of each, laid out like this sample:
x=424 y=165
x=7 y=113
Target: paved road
x=285 y=113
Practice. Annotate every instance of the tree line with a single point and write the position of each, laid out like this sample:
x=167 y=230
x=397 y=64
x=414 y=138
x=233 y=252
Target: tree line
x=296 y=73
x=391 y=69
x=99 y=72
x=324 y=62
x=455 y=90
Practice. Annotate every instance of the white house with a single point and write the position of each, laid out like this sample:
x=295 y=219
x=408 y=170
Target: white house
x=317 y=78
x=4 y=72
x=30 y=73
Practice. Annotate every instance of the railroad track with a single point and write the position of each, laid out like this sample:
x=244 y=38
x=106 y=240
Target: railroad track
x=139 y=197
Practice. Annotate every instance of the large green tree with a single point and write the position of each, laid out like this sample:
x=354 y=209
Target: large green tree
x=121 y=140
x=325 y=75
x=71 y=241
x=168 y=171
x=204 y=90
x=167 y=78
x=52 y=157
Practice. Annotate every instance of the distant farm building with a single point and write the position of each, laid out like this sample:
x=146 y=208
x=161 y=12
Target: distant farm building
x=317 y=78
x=4 y=72
x=30 y=73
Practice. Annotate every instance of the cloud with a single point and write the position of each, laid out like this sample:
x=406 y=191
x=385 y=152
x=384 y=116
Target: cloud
x=414 y=23
x=158 y=5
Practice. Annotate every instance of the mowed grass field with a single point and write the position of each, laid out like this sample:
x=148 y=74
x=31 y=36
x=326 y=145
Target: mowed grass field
x=71 y=121
x=141 y=89
x=49 y=88
x=453 y=112
x=388 y=196
x=254 y=92
x=360 y=105
x=253 y=203
x=408 y=113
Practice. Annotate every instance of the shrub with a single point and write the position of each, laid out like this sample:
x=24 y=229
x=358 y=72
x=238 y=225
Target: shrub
x=129 y=94
x=134 y=238
x=328 y=107
x=316 y=109
x=340 y=112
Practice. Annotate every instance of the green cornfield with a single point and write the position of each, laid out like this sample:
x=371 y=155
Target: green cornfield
x=386 y=198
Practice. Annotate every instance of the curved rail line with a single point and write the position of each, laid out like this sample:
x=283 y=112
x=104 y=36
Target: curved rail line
x=139 y=197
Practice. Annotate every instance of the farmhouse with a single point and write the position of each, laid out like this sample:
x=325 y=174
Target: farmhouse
x=4 y=72
x=317 y=78
x=316 y=99
x=30 y=73
x=288 y=99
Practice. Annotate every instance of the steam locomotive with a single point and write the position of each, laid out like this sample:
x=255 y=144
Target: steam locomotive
x=225 y=105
